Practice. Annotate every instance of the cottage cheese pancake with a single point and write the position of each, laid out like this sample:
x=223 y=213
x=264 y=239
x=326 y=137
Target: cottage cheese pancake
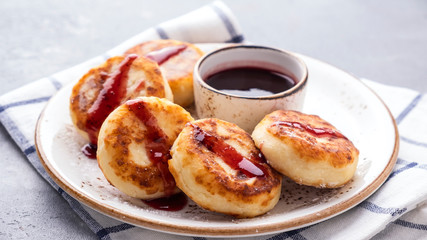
x=306 y=148
x=176 y=60
x=218 y=166
x=134 y=143
x=105 y=87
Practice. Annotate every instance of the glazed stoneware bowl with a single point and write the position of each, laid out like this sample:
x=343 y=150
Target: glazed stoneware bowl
x=247 y=111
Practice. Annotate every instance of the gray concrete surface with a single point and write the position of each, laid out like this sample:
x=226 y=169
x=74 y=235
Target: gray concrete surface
x=381 y=40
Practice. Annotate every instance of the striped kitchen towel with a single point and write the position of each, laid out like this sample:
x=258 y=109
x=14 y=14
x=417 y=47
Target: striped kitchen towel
x=395 y=211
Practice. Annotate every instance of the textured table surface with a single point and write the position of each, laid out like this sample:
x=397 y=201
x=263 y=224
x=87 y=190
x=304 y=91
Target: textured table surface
x=384 y=41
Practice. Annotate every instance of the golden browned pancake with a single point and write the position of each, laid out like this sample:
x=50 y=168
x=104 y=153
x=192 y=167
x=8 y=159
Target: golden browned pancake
x=105 y=87
x=218 y=166
x=306 y=148
x=176 y=64
x=134 y=143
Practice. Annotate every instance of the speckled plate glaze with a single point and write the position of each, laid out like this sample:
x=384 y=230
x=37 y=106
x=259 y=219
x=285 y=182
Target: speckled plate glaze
x=332 y=94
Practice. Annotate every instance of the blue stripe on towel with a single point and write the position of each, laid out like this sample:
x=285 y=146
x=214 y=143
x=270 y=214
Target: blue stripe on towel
x=235 y=38
x=29 y=150
x=103 y=233
x=401 y=161
x=420 y=166
x=409 y=108
x=377 y=209
x=162 y=34
x=413 y=142
x=402 y=169
x=408 y=165
x=55 y=83
x=83 y=214
x=411 y=225
x=25 y=102
x=14 y=131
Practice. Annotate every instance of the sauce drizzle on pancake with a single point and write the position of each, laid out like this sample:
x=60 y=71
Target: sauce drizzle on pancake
x=319 y=132
x=156 y=143
x=110 y=97
x=250 y=167
x=162 y=55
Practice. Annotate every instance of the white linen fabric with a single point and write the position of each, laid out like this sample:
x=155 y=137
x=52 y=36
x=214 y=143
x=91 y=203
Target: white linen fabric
x=395 y=211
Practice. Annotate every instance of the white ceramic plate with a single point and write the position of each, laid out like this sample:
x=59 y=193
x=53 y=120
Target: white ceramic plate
x=332 y=94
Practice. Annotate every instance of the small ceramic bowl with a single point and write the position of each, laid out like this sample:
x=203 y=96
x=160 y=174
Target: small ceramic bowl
x=247 y=111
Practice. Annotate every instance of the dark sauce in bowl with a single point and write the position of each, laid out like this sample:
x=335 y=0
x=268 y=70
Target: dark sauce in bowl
x=250 y=82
